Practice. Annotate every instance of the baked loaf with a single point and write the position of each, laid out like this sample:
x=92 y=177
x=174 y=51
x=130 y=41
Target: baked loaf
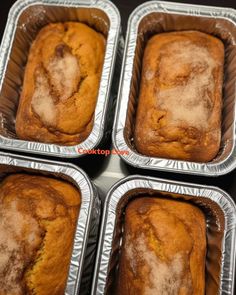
x=38 y=218
x=163 y=250
x=180 y=101
x=61 y=84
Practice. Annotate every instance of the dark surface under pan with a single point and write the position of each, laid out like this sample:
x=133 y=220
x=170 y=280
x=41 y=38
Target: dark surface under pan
x=105 y=171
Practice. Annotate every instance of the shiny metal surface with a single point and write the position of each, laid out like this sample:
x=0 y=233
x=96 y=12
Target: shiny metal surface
x=155 y=17
x=25 y=19
x=220 y=213
x=105 y=171
x=85 y=242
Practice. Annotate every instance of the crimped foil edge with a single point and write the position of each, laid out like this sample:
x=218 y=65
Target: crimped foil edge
x=97 y=132
x=129 y=183
x=89 y=203
x=155 y=163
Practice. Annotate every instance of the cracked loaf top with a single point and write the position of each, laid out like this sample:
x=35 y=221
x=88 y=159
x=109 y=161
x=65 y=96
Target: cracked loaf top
x=38 y=217
x=61 y=84
x=180 y=101
x=163 y=248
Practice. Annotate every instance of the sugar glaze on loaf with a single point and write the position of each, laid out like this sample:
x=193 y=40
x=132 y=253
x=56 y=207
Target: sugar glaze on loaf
x=38 y=217
x=61 y=84
x=180 y=100
x=163 y=248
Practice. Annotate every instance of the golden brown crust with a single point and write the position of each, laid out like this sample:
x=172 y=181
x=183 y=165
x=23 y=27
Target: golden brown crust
x=163 y=249
x=180 y=101
x=38 y=218
x=61 y=84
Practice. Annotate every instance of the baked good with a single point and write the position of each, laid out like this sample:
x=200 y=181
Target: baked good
x=38 y=218
x=163 y=250
x=61 y=84
x=180 y=100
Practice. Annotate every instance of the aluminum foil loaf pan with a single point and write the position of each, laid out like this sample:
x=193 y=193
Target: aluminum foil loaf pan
x=25 y=19
x=85 y=241
x=156 y=17
x=220 y=214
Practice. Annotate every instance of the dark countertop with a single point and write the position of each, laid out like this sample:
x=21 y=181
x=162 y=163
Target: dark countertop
x=125 y=7
x=95 y=166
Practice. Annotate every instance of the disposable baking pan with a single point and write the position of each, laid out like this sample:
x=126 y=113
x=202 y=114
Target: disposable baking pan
x=220 y=214
x=85 y=241
x=25 y=19
x=156 y=17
